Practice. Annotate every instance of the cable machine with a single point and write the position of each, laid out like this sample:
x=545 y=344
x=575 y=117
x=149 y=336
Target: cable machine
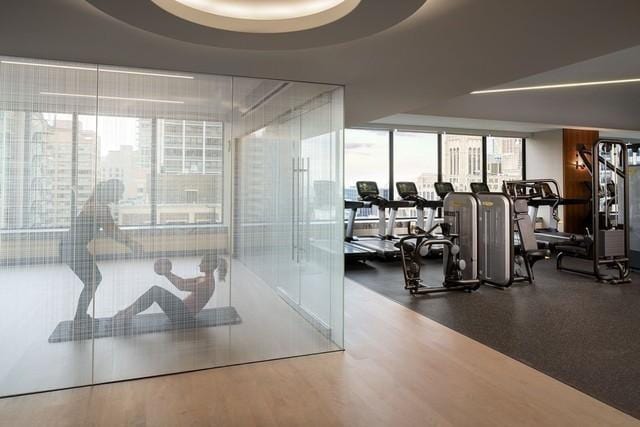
x=607 y=246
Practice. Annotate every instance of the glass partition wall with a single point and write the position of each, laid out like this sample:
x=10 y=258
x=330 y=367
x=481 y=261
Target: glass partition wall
x=154 y=222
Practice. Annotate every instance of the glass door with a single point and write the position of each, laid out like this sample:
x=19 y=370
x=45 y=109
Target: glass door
x=289 y=209
x=317 y=247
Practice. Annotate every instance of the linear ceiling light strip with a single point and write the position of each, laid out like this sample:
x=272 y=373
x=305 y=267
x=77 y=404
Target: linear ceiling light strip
x=557 y=86
x=117 y=98
x=103 y=70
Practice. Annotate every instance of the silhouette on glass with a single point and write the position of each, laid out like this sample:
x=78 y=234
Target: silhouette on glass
x=200 y=290
x=94 y=217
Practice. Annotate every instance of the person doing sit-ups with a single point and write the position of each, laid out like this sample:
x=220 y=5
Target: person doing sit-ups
x=200 y=290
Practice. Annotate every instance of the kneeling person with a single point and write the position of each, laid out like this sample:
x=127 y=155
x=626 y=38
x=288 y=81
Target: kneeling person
x=200 y=290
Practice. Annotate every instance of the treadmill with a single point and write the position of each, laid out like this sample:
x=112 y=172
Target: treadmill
x=354 y=252
x=544 y=192
x=409 y=192
x=384 y=244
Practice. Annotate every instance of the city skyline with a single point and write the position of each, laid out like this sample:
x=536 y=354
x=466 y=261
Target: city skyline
x=49 y=187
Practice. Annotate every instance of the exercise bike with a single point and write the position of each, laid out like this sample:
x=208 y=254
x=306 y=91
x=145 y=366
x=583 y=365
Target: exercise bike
x=413 y=245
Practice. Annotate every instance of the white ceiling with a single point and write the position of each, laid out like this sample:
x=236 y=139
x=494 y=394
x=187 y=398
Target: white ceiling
x=425 y=65
x=615 y=106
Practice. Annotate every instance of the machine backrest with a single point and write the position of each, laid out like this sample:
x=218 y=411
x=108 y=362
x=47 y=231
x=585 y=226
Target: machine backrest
x=525 y=226
x=443 y=188
x=367 y=189
x=479 y=187
x=407 y=189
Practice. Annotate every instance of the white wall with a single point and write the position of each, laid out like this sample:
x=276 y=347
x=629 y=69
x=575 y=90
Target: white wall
x=544 y=160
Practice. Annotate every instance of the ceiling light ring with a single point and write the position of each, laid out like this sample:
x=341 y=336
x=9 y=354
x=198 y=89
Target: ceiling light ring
x=368 y=17
x=283 y=20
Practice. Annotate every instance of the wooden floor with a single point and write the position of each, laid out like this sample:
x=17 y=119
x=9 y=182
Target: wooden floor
x=270 y=328
x=400 y=369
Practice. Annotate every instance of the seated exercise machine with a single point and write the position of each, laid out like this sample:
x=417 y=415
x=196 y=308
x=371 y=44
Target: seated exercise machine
x=528 y=252
x=502 y=221
x=607 y=246
x=384 y=243
x=478 y=241
x=460 y=232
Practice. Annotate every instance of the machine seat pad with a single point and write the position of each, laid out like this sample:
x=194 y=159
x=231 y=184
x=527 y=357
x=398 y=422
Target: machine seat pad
x=408 y=246
x=577 y=251
x=539 y=253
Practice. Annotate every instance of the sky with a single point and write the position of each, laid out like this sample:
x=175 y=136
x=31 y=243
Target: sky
x=367 y=156
x=113 y=132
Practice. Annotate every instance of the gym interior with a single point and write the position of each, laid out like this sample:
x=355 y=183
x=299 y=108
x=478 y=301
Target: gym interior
x=268 y=213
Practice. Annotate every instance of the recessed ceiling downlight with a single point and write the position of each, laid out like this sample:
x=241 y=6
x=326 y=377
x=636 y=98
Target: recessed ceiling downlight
x=260 y=16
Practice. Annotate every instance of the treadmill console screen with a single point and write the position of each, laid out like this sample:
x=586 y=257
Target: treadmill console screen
x=406 y=189
x=443 y=188
x=367 y=188
x=479 y=187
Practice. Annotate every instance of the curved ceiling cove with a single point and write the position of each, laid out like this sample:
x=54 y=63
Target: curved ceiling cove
x=260 y=24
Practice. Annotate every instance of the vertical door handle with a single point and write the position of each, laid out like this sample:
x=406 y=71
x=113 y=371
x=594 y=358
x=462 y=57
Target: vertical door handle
x=293 y=208
x=300 y=206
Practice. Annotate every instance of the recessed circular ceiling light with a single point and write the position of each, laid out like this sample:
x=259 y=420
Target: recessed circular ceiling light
x=260 y=16
x=261 y=24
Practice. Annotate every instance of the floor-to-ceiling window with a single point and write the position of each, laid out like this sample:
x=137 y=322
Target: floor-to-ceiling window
x=462 y=160
x=425 y=158
x=504 y=161
x=415 y=159
x=366 y=159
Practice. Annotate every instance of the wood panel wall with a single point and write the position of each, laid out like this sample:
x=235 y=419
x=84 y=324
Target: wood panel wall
x=576 y=217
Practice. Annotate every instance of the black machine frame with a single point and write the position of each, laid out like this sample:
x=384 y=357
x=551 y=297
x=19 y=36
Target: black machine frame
x=410 y=258
x=606 y=243
x=608 y=248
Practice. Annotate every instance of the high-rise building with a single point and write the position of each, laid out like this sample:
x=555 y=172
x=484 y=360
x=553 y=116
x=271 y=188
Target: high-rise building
x=60 y=165
x=193 y=147
x=424 y=184
x=462 y=162
x=188 y=176
x=38 y=188
x=504 y=161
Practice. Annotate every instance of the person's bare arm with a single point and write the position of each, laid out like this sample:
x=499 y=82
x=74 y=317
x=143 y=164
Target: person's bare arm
x=187 y=285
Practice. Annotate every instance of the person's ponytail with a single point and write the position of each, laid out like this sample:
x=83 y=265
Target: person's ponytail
x=223 y=268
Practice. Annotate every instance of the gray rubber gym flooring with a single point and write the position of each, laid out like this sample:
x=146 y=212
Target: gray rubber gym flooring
x=581 y=332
